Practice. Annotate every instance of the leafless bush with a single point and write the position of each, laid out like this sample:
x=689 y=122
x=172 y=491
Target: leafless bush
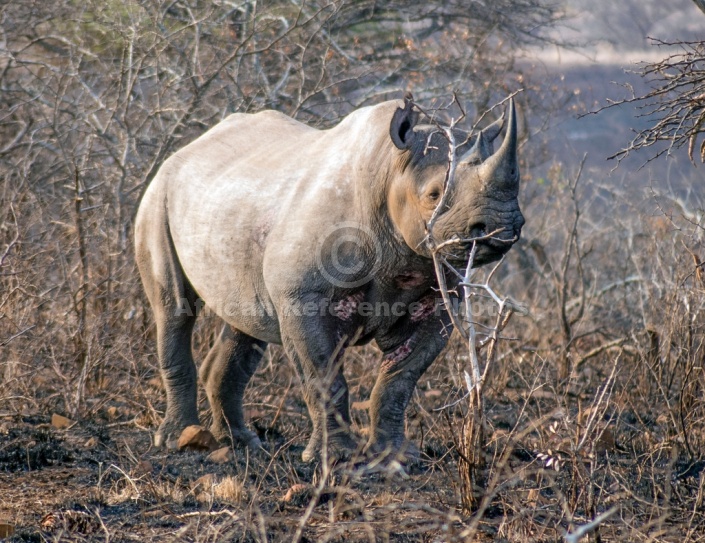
x=674 y=108
x=675 y=105
x=633 y=304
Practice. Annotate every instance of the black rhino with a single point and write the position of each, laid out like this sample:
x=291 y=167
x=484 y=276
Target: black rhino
x=314 y=239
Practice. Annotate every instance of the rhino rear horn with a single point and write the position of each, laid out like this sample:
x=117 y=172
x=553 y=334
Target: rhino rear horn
x=492 y=131
x=502 y=168
x=403 y=122
x=482 y=147
x=480 y=150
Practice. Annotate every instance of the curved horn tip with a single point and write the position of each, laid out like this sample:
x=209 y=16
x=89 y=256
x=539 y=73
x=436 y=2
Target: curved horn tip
x=511 y=111
x=511 y=125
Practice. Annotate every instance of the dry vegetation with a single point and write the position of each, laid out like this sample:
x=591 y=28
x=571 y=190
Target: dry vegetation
x=596 y=399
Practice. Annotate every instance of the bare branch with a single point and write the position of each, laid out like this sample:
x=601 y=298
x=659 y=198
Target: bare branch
x=675 y=107
x=585 y=529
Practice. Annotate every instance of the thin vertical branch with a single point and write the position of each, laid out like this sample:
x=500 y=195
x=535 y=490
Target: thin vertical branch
x=472 y=442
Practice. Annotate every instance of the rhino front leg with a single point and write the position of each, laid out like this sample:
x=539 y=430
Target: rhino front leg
x=317 y=350
x=409 y=349
x=327 y=400
x=229 y=366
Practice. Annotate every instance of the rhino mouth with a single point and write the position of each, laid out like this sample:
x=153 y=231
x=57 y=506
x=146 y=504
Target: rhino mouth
x=487 y=251
x=490 y=241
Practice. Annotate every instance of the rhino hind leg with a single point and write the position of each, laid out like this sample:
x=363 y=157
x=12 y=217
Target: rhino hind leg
x=173 y=300
x=225 y=372
x=178 y=373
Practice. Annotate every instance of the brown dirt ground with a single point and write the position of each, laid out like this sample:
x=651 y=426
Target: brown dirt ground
x=100 y=479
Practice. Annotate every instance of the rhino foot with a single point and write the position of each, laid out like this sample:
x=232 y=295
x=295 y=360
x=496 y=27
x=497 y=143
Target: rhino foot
x=387 y=462
x=165 y=441
x=168 y=433
x=340 y=448
x=244 y=437
x=406 y=454
x=254 y=444
x=409 y=453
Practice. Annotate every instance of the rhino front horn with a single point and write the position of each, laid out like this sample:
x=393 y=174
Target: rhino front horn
x=501 y=170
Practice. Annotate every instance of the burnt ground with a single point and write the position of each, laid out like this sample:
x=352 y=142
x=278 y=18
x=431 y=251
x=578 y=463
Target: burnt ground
x=555 y=461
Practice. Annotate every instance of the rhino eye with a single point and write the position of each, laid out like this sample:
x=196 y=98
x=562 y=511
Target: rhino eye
x=434 y=195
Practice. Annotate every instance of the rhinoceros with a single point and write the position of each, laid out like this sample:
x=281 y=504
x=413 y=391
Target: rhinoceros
x=315 y=240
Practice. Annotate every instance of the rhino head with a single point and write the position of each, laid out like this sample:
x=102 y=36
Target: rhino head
x=483 y=198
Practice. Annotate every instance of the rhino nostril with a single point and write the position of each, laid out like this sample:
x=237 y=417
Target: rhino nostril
x=478 y=230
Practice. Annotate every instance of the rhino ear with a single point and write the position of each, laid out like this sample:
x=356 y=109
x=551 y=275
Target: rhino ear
x=403 y=122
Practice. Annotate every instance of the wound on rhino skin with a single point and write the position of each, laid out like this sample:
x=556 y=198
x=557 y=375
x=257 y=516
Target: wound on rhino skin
x=409 y=280
x=345 y=308
x=398 y=355
x=424 y=308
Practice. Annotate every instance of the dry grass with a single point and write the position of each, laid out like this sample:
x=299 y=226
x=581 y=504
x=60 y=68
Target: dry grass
x=625 y=428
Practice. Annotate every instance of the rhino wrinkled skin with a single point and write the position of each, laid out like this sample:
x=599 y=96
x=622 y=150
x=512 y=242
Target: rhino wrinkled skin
x=314 y=239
